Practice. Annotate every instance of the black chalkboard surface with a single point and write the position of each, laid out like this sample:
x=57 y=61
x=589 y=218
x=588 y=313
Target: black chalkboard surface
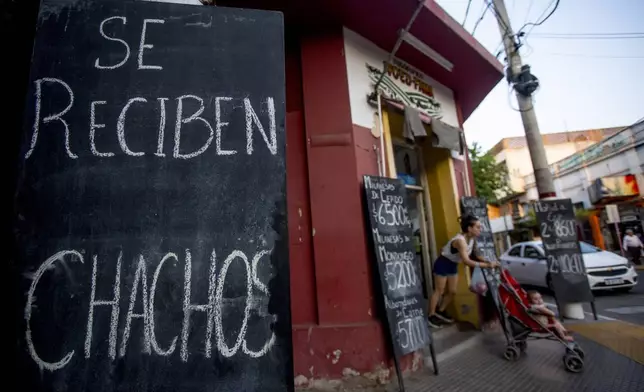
x=477 y=206
x=400 y=279
x=150 y=211
x=566 y=269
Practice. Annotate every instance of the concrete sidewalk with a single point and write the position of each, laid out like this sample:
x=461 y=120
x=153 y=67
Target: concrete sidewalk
x=481 y=368
x=540 y=369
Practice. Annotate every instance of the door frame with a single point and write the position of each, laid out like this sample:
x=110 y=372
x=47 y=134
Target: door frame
x=423 y=199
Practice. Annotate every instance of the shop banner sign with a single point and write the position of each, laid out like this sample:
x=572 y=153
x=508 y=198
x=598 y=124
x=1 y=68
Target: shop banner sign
x=150 y=212
x=566 y=269
x=399 y=273
x=477 y=206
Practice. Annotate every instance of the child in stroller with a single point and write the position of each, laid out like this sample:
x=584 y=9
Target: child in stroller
x=521 y=324
x=546 y=316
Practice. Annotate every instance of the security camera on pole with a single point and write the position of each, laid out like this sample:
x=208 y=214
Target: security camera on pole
x=525 y=84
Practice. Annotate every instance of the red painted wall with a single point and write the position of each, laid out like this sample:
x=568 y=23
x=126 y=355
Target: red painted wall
x=335 y=325
x=303 y=296
x=342 y=279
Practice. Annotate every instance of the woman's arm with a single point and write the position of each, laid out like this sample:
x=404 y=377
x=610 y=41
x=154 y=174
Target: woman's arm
x=461 y=246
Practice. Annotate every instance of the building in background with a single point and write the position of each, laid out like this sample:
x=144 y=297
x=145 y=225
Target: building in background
x=513 y=152
x=608 y=173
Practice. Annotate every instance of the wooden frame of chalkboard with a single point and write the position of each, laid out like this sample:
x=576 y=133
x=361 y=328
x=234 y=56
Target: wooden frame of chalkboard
x=566 y=269
x=399 y=274
x=150 y=211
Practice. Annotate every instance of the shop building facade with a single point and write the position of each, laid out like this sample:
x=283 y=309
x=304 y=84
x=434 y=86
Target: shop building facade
x=336 y=135
x=334 y=51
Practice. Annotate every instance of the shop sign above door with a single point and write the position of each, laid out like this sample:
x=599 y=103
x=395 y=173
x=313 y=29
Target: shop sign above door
x=407 y=85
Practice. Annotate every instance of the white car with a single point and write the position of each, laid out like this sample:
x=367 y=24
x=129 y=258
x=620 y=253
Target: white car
x=526 y=261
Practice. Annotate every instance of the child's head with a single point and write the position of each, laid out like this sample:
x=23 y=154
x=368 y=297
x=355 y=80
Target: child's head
x=535 y=297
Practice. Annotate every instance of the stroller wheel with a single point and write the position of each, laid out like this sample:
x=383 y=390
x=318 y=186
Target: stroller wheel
x=573 y=363
x=522 y=345
x=576 y=350
x=579 y=352
x=511 y=353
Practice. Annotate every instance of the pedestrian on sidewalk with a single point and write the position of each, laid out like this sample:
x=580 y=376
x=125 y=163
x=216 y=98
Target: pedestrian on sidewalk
x=633 y=246
x=457 y=250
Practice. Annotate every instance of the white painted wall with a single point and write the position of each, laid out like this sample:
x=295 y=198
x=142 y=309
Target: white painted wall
x=519 y=162
x=574 y=184
x=359 y=51
x=502 y=224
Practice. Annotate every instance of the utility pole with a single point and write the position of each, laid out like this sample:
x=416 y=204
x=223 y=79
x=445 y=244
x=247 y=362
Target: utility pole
x=542 y=175
x=525 y=84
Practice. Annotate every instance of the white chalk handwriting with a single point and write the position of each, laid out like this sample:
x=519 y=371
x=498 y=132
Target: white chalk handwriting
x=214 y=308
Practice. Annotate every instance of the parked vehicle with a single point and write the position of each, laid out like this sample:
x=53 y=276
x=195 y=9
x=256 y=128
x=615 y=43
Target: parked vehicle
x=526 y=261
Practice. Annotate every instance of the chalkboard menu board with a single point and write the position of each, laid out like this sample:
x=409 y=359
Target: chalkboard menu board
x=477 y=206
x=398 y=269
x=150 y=218
x=566 y=269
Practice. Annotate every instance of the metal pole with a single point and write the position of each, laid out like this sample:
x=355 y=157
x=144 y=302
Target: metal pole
x=383 y=161
x=542 y=174
x=421 y=4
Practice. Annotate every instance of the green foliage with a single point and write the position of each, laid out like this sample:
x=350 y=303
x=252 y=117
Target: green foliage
x=583 y=214
x=490 y=178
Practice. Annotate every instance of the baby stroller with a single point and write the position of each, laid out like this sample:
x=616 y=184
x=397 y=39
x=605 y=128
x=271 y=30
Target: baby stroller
x=520 y=325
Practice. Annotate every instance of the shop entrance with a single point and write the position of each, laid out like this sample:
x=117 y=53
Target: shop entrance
x=409 y=168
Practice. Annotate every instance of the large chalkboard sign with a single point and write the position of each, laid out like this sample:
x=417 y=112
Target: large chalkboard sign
x=566 y=269
x=150 y=218
x=400 y=279
x=477 y=206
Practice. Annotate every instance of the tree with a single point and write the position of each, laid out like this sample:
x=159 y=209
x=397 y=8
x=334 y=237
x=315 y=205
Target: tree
x=490 y=178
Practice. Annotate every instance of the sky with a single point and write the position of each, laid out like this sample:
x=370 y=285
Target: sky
x=584 y=83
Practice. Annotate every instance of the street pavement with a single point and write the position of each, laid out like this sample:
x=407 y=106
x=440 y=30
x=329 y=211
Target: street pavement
x=540 y=369
x=614 y=360
x=611 y=305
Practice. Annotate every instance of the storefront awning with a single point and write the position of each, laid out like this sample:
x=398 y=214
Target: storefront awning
x=447 y=136
x=475 y=70
x=414 y=130
x=443 y=134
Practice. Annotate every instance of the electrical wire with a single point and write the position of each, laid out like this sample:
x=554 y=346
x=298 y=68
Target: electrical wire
x=592 y=55
x=527 y=14
x=589 y=34
x=506 y=28
x=467 y=12
x=510 y=89
x=542 y=21
x=487 y=7
x=587 y=37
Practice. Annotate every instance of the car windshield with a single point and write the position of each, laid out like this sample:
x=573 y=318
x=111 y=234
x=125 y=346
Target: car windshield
x=585 y=248
x=588 y=248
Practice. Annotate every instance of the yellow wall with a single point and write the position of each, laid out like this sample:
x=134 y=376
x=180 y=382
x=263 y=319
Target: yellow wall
x=445 y=213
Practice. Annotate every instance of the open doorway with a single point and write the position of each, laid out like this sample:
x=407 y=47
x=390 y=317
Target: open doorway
x=409 y=168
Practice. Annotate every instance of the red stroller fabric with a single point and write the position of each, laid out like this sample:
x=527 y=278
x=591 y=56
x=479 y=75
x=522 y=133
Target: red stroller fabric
x=517 y=303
